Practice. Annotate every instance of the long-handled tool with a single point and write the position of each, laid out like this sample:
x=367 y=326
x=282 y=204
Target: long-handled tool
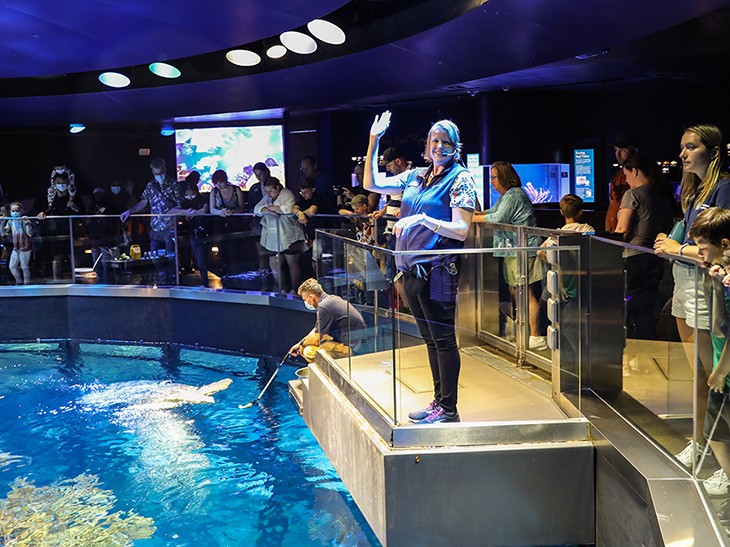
x=256 y=400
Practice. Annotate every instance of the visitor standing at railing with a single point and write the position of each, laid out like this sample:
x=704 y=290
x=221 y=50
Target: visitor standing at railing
x=162 y=195
x=646 y=211
x=21 y=231
x=198 y=225
x=58 y=228
x=514 y=207
x=711 y=233
x=436 y=211
x=281 y=231
x=227 y=200
x=705 y=184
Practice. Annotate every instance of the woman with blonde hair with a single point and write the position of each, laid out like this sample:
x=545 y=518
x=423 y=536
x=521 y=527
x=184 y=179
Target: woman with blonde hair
x=705 y=184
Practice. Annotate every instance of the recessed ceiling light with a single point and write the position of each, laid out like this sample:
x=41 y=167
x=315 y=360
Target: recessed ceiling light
x=298 y=42
x=114 y=79
x=163 y=70
x=76 y=128
x=276 y=52
x=167 y=131
x=243 y=57
x=326 y=31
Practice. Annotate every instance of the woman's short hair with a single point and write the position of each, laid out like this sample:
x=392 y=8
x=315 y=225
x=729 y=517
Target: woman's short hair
x=219 y=175
x=507 y=175
x=273 y=182
x=452 y=131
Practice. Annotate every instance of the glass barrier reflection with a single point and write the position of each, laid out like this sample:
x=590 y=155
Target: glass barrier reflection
x=390 y=362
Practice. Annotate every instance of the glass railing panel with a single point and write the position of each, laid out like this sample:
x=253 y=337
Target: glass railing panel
x=107 y=251
x=563 y=316
x=374 y=363
x=710 y=454
x=497 y=306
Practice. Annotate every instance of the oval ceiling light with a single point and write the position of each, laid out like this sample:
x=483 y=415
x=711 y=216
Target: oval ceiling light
x=76 y=127
x=276 y=52
x=243 y=57
x=163 y=70
x=114 y=79
x=327 y=32
x=298 y=42
x=167 y=131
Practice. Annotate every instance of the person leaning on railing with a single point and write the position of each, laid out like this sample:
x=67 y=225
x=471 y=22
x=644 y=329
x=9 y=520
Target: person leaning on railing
x=705 y=183
x=436 y=211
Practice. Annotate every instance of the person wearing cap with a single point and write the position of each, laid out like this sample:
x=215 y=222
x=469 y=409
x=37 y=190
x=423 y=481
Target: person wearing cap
x=359 y=210
x=626 y=145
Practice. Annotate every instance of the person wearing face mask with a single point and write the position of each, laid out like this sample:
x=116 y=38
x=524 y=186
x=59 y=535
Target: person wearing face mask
x=339 y=326
x=58 y=228
x=162 y=196
x=58 y=169
x=21 y=230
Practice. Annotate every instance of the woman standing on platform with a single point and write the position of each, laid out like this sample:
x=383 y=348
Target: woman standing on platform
x=705 y=184
x=436 y=211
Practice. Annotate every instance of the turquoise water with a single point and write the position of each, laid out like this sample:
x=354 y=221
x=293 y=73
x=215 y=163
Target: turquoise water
x=208 y=474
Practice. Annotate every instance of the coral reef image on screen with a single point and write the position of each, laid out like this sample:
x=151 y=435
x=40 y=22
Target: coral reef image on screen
x=234 y=149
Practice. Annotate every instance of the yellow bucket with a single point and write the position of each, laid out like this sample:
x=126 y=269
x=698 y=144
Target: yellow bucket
x=135 y=253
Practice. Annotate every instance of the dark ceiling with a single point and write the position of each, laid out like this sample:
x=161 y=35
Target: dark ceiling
x=397 y=50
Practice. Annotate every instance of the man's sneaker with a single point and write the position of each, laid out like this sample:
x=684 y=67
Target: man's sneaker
x=692 y=449
x=717 y=485
x=421 y=414
x=538 y=343
x=439 y=415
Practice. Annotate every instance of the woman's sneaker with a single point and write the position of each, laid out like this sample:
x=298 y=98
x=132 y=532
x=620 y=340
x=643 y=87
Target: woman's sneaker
x=421 y=414
x=717 y=485
x=440 y=415
x=696 y=450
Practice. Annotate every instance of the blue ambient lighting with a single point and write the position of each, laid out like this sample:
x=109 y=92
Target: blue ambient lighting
x=114 y=79
x=163 y=70
x=76 y=128
x=167 y=131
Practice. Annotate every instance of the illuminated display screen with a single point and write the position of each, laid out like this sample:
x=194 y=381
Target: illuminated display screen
x=543 y=182
x=234 y=149
x=585 y=174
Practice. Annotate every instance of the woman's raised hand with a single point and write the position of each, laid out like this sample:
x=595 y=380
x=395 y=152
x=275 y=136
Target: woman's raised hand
x=380 y=124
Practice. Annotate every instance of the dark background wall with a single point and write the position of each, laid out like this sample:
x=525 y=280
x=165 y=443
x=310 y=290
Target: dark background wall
x=520 y=126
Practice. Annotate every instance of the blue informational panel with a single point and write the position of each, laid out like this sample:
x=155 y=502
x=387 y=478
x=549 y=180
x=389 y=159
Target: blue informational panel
x=543 y=182
x=477 y=171
x=585 y=174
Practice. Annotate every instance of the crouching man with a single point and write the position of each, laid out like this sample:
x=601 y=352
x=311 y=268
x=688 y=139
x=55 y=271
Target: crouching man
x=339 y=325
